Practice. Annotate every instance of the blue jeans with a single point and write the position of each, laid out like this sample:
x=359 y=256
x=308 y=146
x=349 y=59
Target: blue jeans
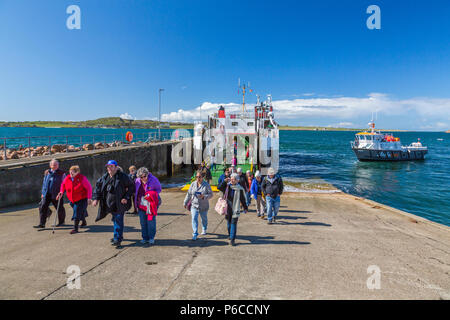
x=194 y=214
x=232 y=227
x=249 y=198
x=117 y=218
x=273 y=205
x=148 y=227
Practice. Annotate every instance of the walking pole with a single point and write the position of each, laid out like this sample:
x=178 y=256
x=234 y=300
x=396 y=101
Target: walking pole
x=56 y=214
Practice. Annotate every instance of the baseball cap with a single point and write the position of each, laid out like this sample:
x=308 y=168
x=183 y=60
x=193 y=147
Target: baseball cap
x=111 y=162
x=271 y=171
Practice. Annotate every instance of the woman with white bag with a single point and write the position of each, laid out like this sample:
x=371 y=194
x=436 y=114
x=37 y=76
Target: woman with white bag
x=197 y=201
x=234 y=195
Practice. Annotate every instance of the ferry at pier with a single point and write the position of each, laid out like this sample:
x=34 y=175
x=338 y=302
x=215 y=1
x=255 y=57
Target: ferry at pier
x=375 y=146
x=246 y=139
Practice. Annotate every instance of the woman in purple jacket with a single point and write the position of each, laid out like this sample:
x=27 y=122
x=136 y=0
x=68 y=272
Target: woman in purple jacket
x=145 y=181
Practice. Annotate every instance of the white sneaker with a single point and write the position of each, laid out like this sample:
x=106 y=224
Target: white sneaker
x=203 y=233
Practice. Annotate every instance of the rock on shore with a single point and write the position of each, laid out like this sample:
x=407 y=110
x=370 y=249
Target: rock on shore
x=22 y=152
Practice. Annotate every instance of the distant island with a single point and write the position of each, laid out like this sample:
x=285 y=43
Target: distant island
x=109 y=122
x=117 y=122
x=312 y=128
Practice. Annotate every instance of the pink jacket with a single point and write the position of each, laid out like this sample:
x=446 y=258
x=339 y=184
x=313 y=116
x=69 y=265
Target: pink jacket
x=152 y=198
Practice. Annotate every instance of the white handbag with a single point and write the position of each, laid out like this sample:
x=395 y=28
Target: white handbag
x=222 y=204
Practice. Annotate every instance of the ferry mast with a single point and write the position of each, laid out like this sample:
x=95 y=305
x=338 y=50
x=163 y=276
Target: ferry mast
x=244 y=89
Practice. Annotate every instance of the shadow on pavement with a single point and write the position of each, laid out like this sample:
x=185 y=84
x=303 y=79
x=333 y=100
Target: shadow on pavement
x=294 y=211
x=108 y=229
x=290 y=217
x=200 y=242
x=304 y=223
x=257 y=240
x=20 y=208
x=171 y=214
x=265 y=240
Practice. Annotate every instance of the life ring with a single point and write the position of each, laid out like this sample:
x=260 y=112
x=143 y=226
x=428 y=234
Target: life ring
x=129 y=136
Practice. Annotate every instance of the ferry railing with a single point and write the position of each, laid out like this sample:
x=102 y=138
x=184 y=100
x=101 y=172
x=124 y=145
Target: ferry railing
x=78 y=141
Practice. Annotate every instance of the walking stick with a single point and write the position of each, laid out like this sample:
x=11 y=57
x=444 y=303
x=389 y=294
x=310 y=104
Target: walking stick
x=56 y=214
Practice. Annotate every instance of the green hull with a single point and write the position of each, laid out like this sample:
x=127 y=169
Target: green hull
x=218 y=171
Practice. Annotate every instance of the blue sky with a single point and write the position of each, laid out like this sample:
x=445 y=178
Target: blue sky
x=318 y=59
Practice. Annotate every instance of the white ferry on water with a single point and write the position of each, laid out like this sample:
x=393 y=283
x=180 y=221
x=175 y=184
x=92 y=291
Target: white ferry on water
x=247 y=139
x=375 y=146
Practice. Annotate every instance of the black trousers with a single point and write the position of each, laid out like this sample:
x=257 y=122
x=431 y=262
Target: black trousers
x=43 y=210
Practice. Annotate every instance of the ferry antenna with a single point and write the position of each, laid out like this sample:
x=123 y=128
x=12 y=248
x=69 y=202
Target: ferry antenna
x=243 y=88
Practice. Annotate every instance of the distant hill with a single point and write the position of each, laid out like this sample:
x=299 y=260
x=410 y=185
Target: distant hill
x=109 y=122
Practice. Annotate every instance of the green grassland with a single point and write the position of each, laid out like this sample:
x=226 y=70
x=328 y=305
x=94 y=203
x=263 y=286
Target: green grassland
x=110 y=122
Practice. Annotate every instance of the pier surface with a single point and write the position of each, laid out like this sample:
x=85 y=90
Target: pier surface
x=320 y=248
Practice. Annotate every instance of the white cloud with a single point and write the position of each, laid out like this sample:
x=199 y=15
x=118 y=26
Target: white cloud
x=126 y=116
x=436 y=126
x=343 y=110
x=204 y=110
x=342 y=125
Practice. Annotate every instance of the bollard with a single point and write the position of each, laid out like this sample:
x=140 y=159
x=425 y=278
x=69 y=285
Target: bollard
x=4 y=147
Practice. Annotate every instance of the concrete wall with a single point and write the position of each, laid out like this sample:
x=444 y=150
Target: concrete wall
x=21 y=182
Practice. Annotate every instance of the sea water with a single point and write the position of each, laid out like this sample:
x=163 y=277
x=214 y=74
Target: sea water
x=418 y=187
x=325 y=157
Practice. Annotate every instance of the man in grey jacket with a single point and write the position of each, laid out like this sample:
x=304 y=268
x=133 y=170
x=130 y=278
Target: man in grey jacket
x=199 y=194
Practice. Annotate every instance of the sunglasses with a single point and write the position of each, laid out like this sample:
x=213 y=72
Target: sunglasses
x=199 y=177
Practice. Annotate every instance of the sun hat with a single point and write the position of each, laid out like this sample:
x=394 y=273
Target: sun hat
x=239 y=170
x=271 y=171
x=257 y=174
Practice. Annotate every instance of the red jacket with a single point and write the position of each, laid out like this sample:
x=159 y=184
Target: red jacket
x=152 y=197
x=78 y=189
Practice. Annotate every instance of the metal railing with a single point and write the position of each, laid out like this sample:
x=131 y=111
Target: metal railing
x=20 y=144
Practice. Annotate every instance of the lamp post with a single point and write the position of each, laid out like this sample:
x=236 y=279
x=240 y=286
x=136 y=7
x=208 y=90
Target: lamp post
x=159 y=114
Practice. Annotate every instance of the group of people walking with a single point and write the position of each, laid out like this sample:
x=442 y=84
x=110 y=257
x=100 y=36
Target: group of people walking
x=236 y=189
x=116 y=193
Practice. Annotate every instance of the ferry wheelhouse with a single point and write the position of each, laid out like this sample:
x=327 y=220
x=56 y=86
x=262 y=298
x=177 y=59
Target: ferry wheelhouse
x=375 y=146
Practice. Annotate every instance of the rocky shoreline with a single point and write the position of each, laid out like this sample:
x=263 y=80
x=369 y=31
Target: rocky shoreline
x=30 y=152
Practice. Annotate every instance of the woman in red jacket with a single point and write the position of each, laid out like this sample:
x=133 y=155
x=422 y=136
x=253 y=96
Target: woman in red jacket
x=79 y=193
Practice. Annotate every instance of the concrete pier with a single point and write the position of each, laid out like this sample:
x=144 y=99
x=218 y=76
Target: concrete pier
x=21 y=180
x=320 y=248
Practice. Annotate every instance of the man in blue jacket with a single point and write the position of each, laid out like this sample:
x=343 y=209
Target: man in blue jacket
x=256 y=192
x=226 y=174
x=50 y=189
